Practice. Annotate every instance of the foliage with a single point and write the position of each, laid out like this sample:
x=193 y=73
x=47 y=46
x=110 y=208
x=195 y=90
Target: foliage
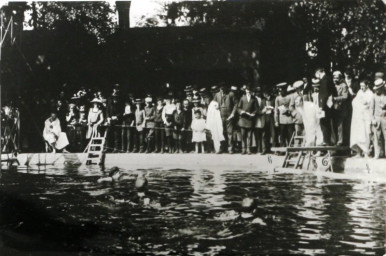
x=95 y=17
x=355 y=31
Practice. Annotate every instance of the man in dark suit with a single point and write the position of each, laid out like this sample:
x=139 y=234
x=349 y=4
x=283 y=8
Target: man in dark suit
x=326 y=92
x=340 y=109
x=228 y=105
x=247 y=109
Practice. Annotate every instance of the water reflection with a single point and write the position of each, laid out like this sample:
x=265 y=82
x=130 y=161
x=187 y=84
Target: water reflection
x=196 y=212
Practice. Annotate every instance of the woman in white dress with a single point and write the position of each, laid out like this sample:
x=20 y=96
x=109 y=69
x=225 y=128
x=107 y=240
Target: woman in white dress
x=362 y=116
x=309 y=113
x=214 y=125
x=95 y=118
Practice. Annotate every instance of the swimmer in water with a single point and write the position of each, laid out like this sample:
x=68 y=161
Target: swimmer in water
x=115 y=174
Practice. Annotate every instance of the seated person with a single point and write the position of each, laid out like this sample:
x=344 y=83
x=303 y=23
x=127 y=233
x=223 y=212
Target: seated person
x=53 y=134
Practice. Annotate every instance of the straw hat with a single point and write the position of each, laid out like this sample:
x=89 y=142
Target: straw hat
x=378 y=84
x=96 y=100
x=298 y=84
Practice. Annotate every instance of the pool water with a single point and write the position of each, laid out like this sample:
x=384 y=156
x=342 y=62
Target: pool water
x=189 y=212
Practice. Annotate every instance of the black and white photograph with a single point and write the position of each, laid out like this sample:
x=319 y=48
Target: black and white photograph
x=169 y=127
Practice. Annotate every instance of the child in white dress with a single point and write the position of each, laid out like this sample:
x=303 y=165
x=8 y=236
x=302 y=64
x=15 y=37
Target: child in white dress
x=198 y=128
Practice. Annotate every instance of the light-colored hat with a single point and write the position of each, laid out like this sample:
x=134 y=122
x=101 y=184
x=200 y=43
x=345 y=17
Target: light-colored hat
x=290 y=88
x=96 y=100
x=378 y=83
x=233 y=88
x=298 y=84
x=281 y=85
x=315 y=82
x=379 y=75
x=148 y=100
x=337 y=73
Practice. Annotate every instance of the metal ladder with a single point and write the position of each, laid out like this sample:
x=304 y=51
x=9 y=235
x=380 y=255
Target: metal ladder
x=295 y=159
x=95 y=149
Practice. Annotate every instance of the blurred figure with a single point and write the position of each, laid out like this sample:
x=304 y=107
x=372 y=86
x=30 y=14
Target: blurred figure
x=362 y=116
x=140 y=124
x=114 y=114
x=198 y=129
x=168 y=119
x=340 y=112
x=95 y=119
x=326 y=92
x=283 y=118
x=128 y=129
x=379 y=122
x=247 y=109
x=228 y=106
x=53 y=134
x=159 y=127
x=149 y=124
x=71 y=123
x=214 y=125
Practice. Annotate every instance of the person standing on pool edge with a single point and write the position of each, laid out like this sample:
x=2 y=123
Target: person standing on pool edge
x=149 y=124
x=283 y=118
x=247 y=109
x=167 y=117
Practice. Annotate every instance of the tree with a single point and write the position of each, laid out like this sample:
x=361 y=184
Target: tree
x=345 y=32
x=97 y=18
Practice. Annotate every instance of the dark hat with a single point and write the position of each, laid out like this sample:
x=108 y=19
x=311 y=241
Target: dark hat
x=160 y=99
x=138 y=101
x=214 y=88
x=188 y=88
x=315 y=82
x=203 y=90
x=189 y=94
x=169 y=96
x=130 y=95
x=258 y=89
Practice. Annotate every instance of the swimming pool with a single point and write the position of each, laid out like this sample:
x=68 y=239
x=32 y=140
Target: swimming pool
x=189 y=212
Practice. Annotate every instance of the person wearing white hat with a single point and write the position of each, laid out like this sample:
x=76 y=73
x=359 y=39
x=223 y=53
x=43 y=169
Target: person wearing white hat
x=95 y=118
x=379 y=121
x=53 y=134
x=283 y=118
x=340 y=111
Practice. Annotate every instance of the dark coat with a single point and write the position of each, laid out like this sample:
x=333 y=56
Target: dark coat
x=227 y=104
x=326 y=90
x=251 y=106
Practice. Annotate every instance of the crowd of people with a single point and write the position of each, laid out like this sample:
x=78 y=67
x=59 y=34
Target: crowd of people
x=324 y=111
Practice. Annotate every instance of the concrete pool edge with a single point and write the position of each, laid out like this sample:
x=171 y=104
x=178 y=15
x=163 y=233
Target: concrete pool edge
x=264 y=163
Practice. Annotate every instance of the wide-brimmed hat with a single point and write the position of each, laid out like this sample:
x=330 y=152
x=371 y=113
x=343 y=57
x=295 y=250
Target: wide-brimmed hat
x=315 y=82
x=378 y=84
x=202 y=90
x=281 y=85
x=290 y=88
x=96 y=100
x=160 y=99
x=148 y=100
x=298 y=84
x=234 y=88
